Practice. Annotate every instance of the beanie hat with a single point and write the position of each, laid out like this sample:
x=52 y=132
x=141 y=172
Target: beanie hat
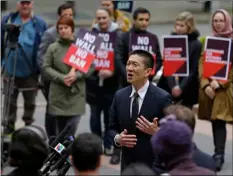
x=174 y=139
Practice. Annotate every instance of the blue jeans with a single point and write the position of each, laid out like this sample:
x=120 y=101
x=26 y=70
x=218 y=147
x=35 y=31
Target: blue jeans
x=95 y=123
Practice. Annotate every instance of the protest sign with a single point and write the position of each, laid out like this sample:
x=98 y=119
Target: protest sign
x=175 y=55
x=217 y=58
x=87 y=40
x=124 y=5
x=145 y=41
x=105 y=54
x=81 y=56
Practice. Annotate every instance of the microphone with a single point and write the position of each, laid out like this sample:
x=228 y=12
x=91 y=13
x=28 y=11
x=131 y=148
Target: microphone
x=54 y=156
x=64 y=169
x=61 y=135
x=51 y=140
x=58 y=145
x=64 y=157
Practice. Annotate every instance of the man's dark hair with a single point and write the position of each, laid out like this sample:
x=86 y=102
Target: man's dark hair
x=86 y=152
x=64 y=7
x=148 y=58
x=138 y=169
x=182 y=113
x=140 y=10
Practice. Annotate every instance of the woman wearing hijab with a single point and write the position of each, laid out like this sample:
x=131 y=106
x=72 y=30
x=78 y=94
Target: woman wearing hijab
x=215 y=97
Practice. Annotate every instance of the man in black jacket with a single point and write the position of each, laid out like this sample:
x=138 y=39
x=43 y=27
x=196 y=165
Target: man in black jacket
x=136 y=38
x=135 y=110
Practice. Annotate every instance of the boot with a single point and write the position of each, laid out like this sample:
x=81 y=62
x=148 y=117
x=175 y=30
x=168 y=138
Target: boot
x=219 y=161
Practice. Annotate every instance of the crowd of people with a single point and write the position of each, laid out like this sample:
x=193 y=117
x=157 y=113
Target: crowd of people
x=140 y=118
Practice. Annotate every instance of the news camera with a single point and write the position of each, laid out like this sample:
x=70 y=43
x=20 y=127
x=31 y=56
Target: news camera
x=13 y=32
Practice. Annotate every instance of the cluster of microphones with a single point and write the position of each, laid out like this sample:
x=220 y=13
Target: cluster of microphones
x=58 y=160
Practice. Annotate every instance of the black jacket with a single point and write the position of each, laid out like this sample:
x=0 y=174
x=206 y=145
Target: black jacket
x=189 y=85
x=154 y=102
x=101 y=94
x=122 y=53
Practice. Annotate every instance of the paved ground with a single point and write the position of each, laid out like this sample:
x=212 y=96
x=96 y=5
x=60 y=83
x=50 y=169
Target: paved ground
x=203 y=135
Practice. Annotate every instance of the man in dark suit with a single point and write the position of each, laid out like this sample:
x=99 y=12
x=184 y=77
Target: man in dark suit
x=135 y=110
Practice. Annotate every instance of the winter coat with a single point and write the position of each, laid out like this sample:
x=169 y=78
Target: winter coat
x=63 y=100
x=221 y=107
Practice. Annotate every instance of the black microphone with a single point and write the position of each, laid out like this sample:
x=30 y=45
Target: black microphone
x=61 y=136
x=54 y=156
x=51 y=140
x=64 y=169
x=58 y=139
x=63 y=159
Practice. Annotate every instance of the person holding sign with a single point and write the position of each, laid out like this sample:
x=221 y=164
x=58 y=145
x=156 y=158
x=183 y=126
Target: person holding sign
x=215 y=98
x=136 y=109
x=66 y=101
x=49 y=37
x=184 y=89
x=103 y=83
x=137 y=38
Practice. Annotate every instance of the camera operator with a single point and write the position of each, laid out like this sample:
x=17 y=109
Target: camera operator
x=26 y=71
x=28 y=150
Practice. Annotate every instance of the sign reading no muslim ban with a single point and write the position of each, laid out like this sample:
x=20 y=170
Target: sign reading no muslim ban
x=143 y=42
x=81 y=55
x=175 y=55
x=105 y=54
x=217 y=61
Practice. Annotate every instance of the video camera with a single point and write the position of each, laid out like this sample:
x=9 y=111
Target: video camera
x=58 y=160
x=13 y=32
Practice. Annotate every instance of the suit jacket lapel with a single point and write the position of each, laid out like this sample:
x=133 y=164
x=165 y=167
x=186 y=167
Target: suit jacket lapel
x=147 y=101
x=126 y=102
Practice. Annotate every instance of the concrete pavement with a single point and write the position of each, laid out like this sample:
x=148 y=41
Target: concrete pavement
x=162 y=12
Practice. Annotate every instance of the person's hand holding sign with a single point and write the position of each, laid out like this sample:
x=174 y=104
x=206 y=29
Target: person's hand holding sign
x=214 y=84
x=147 y=127
x=70 y=77
x=105 y=74
x=210 y=92
x=176 y=91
